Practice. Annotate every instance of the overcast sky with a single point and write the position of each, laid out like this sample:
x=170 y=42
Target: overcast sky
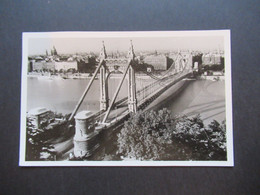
x=72 y=45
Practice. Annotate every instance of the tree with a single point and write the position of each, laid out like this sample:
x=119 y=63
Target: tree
x=217 y=139
x=147 y=136
x=36 y=148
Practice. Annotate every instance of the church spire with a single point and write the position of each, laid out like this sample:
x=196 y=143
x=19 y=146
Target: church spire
x=103 y=53
x=131 y=53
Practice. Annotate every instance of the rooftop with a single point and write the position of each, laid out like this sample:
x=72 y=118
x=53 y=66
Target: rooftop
x=83 y=114
x=38 y=111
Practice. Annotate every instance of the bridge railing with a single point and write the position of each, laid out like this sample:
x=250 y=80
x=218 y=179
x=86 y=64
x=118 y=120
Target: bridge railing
x=159 y=90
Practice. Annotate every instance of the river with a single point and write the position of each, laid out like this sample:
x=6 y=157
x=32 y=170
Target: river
x=203 y=97
x=61 y=95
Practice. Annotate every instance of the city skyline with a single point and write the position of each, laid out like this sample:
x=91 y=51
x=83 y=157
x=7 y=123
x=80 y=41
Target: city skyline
x=38 y=46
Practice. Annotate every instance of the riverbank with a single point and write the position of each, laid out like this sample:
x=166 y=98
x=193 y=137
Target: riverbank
x=58 y=76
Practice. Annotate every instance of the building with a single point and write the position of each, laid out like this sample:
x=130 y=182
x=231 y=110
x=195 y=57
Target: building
x=86 y=64
x=159 y=62
x=116 y=64
x=39 y=116
x=66 y=65
x=211 y=59
x=53 y=65
x=43 y=65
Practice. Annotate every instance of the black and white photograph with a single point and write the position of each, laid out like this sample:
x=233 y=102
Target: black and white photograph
x=155 y=98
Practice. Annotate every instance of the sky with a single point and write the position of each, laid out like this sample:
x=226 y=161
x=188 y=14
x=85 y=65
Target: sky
x=38 y=46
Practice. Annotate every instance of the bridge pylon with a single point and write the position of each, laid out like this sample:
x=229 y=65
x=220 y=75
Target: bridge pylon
x=103 y=83
x=105 y=68
x=132 y=102
x=103 y=89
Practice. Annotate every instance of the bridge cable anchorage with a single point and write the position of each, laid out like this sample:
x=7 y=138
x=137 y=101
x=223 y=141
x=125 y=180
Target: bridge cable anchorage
x=116 y=93
x=86 y=90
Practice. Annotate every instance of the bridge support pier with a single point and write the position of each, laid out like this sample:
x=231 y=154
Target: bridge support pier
x=132 y=103
x=103 y=89
x=85 y=137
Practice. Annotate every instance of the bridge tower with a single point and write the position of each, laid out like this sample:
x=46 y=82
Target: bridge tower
x=105 y=67
x=103 y=83
x=132 y=103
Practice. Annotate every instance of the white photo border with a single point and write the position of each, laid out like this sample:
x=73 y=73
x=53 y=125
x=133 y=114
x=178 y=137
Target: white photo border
x=228 y=97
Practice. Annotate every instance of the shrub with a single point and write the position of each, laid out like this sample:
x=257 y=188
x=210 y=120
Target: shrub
x=146 y=136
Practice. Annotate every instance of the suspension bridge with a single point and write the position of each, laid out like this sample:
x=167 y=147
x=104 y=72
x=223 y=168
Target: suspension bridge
x=89 y=127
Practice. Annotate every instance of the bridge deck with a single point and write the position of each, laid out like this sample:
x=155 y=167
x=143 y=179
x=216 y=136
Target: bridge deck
x=151 y=92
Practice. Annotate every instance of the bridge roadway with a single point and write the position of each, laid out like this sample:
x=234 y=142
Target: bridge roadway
x=144 y=97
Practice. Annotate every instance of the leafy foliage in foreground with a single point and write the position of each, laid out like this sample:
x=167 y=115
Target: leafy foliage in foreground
x=39 y=140
x=36 y=147
x=150 y=136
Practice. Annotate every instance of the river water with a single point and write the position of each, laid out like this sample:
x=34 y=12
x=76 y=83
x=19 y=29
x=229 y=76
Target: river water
x=62 y=95
x=203 y=97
